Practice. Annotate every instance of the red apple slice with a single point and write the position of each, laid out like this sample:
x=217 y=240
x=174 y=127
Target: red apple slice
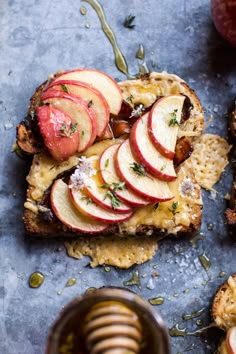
x=100 y=194
x=101 y=81
x=110 y=176
x=163 y=123
x=86 y=206
x=231 y=340
x=58 y=131
x=146 y=153
x=137 y=179
x=92 y=96
x=68 y=214
x=78 y=110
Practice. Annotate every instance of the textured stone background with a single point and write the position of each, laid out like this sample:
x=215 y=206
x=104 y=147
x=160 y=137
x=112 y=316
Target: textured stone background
x=41 y=37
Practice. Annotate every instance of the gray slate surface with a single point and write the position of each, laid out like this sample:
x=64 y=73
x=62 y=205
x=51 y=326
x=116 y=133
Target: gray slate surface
x=41 y=37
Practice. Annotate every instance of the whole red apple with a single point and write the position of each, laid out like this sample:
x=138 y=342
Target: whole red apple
x=224 y=17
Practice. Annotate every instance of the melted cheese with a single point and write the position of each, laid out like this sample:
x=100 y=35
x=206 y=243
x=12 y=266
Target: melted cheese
x=44 y=169
x=164 y=217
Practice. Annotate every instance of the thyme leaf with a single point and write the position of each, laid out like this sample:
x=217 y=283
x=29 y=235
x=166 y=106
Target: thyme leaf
x=115 y=200
x=90 y=103
x=138 y=168
x=115 y=185
x=128 y=22
x=107 y=163
x=89 y=200
x=174 y=208
x=130 y=98
x=173 y=121
x=64 y=88
x=67 y=131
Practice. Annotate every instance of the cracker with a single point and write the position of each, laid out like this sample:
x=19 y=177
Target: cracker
x=209 y=158
x=119 y=252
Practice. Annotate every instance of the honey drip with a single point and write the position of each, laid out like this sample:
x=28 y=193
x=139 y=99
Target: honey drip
x=119 y=57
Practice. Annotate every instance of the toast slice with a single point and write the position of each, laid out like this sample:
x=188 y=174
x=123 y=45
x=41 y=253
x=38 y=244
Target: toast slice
x=224 y=311
x=39 y=220
x=224 y=304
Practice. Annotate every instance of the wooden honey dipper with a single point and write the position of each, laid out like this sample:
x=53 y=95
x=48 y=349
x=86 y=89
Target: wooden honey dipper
x=112 y=328
x=108 y=321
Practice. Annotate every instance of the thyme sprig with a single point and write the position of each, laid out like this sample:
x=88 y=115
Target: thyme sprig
x=115 y=200
x=67 y=131
x=138 y=168
x=88 y=200
x=174 y=208
x=173 y=121
x=115 y=185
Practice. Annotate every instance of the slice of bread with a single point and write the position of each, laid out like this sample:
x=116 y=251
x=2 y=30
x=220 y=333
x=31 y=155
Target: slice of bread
x=224 y=304
x=38 y=217
x=224 y=311
x=154 y=220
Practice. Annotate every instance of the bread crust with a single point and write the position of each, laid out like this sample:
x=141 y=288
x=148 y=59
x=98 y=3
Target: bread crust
x=160 y=84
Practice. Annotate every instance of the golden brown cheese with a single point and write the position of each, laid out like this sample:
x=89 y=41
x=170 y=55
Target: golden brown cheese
x=187 y=198
x=114 y=251
x=44 y=169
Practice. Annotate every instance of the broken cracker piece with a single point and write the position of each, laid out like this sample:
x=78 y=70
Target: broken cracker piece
x=209 y=158
x=122 y=252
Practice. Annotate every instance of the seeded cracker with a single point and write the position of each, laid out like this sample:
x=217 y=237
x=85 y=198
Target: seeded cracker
x=209 y=158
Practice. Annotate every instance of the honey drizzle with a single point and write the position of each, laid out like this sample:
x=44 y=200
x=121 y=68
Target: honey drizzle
x=120 y=61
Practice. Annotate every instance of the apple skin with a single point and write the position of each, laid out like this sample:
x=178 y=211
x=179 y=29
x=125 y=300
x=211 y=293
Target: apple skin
x=231 y=340
x=68 y=214
x=50 y=121
x=101 y=81
x=89 y=94
x=78 y=110
x=109 y=175
x=158 y=121
x=223 y=13
x=146 y=153
x=95 y=211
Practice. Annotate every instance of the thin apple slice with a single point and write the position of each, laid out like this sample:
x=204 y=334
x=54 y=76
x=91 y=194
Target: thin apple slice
x=58 y=131
x=136 y=177
x=163 y=123
x=110 y=177
x=92 y=96
x=78 y=110
x=231 y=340
x=101 y=81
x=147 y=154
x=68 y=214
x=86 y=206
x=99 y=192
